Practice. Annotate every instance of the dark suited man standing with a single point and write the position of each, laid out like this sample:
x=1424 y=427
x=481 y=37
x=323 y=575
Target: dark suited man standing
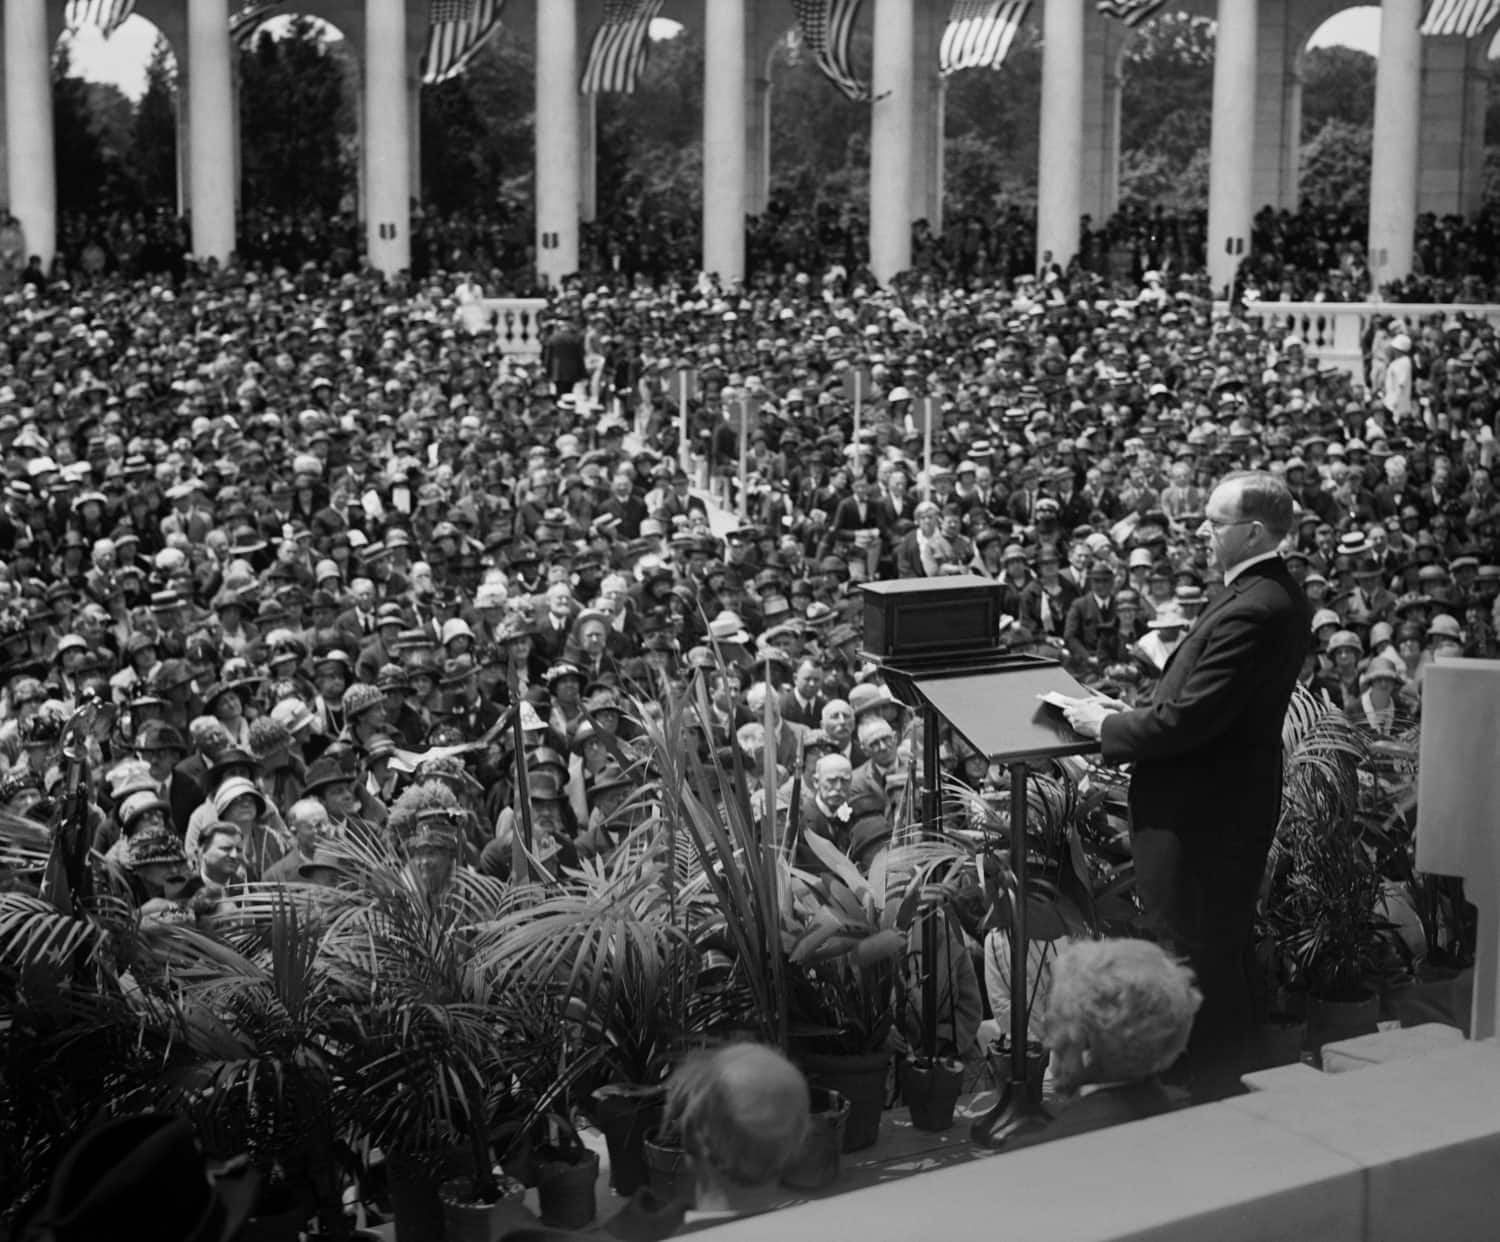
x=1090 y=616
x=1205 y=793
x=803 y=704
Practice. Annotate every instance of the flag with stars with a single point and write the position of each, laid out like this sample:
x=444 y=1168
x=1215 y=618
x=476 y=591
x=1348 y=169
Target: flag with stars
x=1131 y=12
x=456 y=30
x=827 y=30
x=1459 y=17
x=108 y=15
x=620 y=47
x=979 y=33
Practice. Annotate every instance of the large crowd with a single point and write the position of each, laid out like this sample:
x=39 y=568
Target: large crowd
x=314 y=543
x=1307 y=255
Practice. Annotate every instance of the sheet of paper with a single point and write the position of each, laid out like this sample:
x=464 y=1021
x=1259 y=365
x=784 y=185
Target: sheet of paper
x=1054 y=699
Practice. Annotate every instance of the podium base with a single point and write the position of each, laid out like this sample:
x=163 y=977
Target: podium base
x=1015 y=1113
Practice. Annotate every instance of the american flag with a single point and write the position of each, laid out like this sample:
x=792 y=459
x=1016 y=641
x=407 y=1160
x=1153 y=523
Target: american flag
x=244 y=23
x=827 y=27
x=456 y=30
x=618 y=52
x=108 y=15
x=1131 y=12
x=1459 y=17
x=979 y=33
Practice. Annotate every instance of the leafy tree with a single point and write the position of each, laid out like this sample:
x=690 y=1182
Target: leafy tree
x=1336 y=168
x=992 y=119
x=1338 y=84
x=83 y=172
x=296 y=121
x=1164 y=117
x=477 y=129
x=154 y=131
x=650 y=145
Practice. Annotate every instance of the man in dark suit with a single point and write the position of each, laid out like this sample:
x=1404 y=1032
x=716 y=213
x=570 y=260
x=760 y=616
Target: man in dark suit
x=1091 y=616
x=1206 y=790
x=803 y=704
x=861 y=515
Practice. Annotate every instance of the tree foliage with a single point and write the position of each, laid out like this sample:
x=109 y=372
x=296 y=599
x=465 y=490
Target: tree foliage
x=296 y=121
x=1338 y=84
x=1336 y=167
x=477 y=129
x=154 y=130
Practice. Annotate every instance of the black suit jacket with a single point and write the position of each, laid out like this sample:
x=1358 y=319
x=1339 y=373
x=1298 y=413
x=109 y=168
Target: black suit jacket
x=1085 y=622
x=1207 y=748
x=1109 y=1106
x=792 y=710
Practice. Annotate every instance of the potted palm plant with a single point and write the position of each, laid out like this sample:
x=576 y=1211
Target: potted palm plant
x=848 y=950
x=1323 y=902
x=436 y=1054
x=602 y=944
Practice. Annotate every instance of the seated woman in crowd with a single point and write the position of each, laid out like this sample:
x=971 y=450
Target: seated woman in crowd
x=1118 y=1015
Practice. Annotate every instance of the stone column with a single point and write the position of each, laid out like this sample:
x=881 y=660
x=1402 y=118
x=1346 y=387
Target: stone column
x=1450 y=161
x=30 y=162
x=929 y=102
x=1099 y=163
x=1059 y=186
x=1231 y=161
x=891 y=138
x=1393 y=163
x=414 y=128
x=184 y=138
x=558 y=149
x=588 y=157
x=387 y=138
x=1291 y=138
x=757 y=141
x=724 y=155
x=1276 y=61
x=211 y=133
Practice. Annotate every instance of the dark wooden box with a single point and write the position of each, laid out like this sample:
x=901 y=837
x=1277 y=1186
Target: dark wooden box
x=931 y=616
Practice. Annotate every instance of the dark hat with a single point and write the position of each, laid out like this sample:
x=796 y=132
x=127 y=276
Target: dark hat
x=158 y=736
x=612 y=776
x=154 y=845
x=324 y=773
x=143 y=1176
x=232 y=757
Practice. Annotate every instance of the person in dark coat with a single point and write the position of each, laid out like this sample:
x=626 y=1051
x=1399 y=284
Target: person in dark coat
x=563 y=358
x=1206 y=789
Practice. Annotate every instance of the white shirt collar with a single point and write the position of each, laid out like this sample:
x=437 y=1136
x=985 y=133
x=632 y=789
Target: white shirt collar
x=1231 y=574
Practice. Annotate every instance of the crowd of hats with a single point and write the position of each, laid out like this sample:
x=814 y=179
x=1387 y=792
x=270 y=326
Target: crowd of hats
x=230 y=486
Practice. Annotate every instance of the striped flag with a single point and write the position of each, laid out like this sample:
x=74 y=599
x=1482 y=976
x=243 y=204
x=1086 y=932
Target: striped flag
x=244 y=23
x=979 y=33
x=618 y=53
x=827 y=29
x=1131 y=12
x=108 y=15
x=456 y=30
x=1459 y=17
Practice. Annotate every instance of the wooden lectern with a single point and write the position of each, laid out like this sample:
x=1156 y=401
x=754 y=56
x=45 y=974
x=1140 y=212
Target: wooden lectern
x=937 y=643
x=1458 y=793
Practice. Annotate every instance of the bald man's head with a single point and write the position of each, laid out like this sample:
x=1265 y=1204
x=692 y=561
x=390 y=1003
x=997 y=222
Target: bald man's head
x=743 y=1112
